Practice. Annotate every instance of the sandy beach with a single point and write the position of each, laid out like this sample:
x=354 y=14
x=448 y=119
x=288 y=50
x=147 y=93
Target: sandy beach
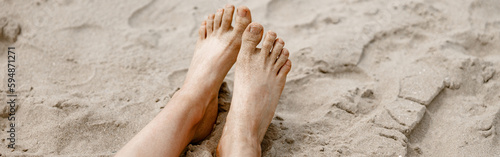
x=369 y=77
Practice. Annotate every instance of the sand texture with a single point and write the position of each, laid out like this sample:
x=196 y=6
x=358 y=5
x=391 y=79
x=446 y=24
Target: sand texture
x=369 y=77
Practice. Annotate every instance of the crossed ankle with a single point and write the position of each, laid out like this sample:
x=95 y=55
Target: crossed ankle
x=194 y=105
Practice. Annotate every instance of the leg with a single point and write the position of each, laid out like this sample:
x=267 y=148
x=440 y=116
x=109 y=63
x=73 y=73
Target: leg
x=190 y=115
x=260 y=77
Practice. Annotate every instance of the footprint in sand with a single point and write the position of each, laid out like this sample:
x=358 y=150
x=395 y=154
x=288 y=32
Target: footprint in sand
x=484 y=11
x=84 y=124
x=172 y=80
x=90 y=40
x=421 y=83
x=160 y=14
x=177 y=77
x=329 y=90
x=477 y=44
x=286 y=12
x=72 y=73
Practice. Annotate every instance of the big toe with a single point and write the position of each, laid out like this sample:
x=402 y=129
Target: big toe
x=243 y=19
x=251 y=37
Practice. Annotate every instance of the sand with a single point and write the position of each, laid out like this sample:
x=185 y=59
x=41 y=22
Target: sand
x=369 y=78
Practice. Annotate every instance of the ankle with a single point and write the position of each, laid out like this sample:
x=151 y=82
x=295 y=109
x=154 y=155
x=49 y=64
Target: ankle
x=193 y=106
x=238 y=145
x=199 y=90
x=194 y=97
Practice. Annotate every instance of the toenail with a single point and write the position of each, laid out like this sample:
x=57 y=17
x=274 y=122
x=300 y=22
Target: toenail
x=255 y=29
x=285 y=52
x=229 y=6
x=219 y=10
x=281 y=41
x=271 y=33
x=242 y=12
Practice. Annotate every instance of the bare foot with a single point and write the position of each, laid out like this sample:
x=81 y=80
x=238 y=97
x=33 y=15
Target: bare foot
x=216 y=52
x=260 y=77
x=191 y=113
